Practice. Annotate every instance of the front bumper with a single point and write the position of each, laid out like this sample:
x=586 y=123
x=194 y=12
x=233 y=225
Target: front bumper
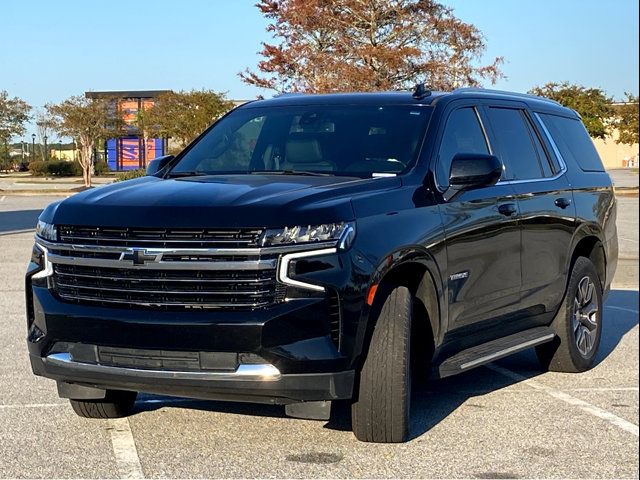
x=292 y=339
x=255 y=383
x=307 y=339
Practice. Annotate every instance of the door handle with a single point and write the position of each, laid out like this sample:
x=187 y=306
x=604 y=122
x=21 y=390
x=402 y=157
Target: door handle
x=508 y=209
x=562 y=202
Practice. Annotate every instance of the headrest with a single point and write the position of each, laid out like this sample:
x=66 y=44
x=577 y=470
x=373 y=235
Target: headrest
x=381 y=146
x=303 y=151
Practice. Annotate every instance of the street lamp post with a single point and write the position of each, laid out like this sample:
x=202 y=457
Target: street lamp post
x=60 y=149
x=46 y=152
x=33 y=147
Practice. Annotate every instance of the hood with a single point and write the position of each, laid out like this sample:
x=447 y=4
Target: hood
x=216 y=201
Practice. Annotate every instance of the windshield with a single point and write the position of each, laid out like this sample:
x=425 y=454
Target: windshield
x=309 y=139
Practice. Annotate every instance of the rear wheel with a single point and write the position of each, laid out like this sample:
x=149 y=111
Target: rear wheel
x=578 y=325
x=116 y=404
x=382 y=411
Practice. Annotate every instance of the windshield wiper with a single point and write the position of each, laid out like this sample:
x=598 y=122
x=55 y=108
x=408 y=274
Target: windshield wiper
x=186 y=174
x=291 y=172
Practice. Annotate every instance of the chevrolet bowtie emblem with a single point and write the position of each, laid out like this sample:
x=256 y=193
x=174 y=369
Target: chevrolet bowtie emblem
x=139 y=256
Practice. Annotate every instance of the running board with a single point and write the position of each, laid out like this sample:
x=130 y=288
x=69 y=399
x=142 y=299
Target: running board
x=494 y=350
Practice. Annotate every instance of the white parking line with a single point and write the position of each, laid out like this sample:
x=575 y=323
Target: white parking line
x=3 y=197
x=16 y=232
x=32 y=405
x=565 y=397
x=124 y=449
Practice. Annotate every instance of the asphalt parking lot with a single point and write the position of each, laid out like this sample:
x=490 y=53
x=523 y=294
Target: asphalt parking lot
x=506 y=420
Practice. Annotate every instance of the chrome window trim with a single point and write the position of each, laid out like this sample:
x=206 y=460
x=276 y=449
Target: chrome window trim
x=554 y=147
x=259 y=372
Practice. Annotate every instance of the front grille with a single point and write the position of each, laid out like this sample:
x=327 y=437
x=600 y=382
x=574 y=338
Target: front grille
x=166 y=288
x=164 y=268
x=160 y=237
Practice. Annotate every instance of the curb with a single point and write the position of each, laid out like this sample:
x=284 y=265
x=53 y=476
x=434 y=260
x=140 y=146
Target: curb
x=34 y=192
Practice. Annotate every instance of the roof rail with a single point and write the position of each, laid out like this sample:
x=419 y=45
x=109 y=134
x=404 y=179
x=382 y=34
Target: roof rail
x=288 y=94
x=504 y=92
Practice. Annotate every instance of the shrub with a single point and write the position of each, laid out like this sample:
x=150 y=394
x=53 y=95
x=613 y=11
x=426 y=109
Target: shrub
x=55 y=168
x=130 y=175
x=101 y=168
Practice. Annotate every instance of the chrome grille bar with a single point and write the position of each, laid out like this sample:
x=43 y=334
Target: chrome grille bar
x=168 y=268
x=173 y=265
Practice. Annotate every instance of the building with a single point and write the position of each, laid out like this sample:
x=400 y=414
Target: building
x=616 y=155
x=130 y=151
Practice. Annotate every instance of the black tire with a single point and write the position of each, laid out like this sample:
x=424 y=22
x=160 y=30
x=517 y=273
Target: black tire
x=382 y=410
x=564 y=353
x=116 y=404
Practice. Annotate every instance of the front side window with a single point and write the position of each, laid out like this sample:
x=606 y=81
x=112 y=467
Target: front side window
x=327 y=139
x=517 y=148
x=462 y=134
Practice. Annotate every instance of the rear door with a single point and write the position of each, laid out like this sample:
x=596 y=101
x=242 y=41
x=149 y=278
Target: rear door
x=547 y=213
x=482 y=238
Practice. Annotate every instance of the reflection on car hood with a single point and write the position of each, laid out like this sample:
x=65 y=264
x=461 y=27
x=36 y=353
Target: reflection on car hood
x=216 y=201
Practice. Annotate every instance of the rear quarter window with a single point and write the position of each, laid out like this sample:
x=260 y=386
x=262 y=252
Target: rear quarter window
x=573 y=141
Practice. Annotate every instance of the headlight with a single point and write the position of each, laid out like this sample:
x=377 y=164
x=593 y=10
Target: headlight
x=343 y=231
x=46 y=231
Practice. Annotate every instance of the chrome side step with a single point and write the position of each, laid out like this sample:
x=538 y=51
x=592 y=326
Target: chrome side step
x=494 y=350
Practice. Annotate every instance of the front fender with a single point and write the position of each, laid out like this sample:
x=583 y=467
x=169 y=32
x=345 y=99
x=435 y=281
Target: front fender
x=419 y=268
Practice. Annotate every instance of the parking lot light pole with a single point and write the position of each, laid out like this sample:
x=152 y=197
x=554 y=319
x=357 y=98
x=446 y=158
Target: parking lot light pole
x=46 y=152
x=33 y=147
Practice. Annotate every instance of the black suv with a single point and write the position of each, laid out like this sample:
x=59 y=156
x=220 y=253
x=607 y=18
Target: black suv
x=312 y=248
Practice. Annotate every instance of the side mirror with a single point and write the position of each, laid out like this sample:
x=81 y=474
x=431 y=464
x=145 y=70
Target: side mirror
x=473 y=170
x=158 y=164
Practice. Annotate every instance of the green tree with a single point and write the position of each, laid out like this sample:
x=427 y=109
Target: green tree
x=593 y=104
x=88 y=121
x=182 y=115
x=356 y=45
x=44 y=126
x=14 y=113
x=627 y=120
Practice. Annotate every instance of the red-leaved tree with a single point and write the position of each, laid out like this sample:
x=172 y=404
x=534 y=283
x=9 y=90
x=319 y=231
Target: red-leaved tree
x=368 y=45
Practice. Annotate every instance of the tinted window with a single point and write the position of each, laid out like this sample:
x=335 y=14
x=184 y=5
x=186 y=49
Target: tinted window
x=332 y=139
x=462 y=134
x=542 y=153
x=573 y=141
x=517 y=150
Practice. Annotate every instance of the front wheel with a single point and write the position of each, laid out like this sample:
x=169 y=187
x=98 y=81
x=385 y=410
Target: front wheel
x=116 y=404
x=382 y=410
x=578 y=324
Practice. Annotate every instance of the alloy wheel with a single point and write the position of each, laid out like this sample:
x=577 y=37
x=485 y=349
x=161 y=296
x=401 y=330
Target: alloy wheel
x=585 y=316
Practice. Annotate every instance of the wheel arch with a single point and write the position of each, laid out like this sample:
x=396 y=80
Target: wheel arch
x=416 y=269
x=588 y=243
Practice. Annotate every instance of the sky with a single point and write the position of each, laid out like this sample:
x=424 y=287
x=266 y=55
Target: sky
x=52 y=50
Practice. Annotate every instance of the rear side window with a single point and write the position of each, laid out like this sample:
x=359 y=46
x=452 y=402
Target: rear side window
x=516 y=140
x=573 y=141
x=462 y=134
